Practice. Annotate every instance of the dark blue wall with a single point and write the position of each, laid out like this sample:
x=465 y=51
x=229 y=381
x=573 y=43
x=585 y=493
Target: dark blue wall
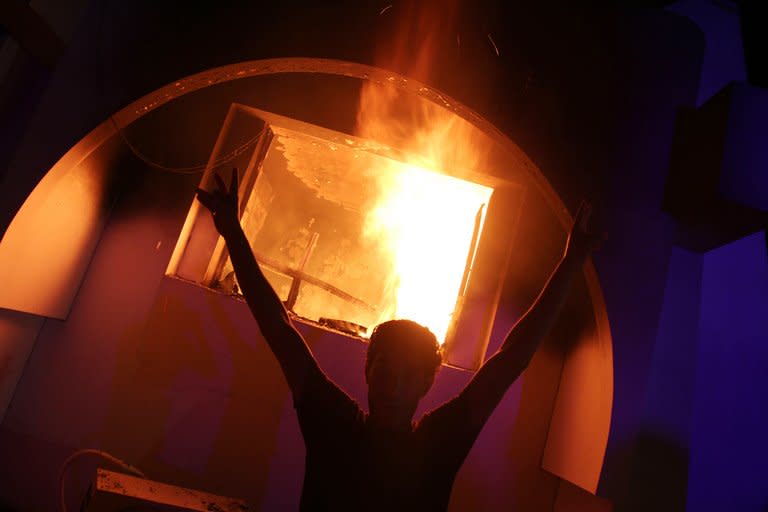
x=728 y=442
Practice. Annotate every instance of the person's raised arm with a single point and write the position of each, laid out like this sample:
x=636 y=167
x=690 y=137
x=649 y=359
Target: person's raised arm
x=490 y=383
x=283 y=339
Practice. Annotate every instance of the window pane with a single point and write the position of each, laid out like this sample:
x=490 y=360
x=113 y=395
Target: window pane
x=361 y=237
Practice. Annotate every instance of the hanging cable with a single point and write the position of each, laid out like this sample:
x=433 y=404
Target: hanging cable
x=192 y=169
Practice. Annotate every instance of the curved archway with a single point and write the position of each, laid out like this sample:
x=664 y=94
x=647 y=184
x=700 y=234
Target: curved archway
x=580 y=421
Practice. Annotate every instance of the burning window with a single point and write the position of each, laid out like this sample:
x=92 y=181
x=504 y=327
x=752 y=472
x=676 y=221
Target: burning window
x=351 y=232
x=349 y=237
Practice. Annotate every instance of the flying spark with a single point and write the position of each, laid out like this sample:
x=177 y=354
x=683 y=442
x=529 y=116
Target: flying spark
x=495 y=48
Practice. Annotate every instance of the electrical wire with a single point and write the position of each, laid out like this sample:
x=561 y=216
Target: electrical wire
x=192 y=169
x=90 y=451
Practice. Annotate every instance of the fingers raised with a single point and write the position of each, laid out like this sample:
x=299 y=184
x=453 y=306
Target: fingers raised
x=233 y=183
x=222 y=187
x=586 y=213
x=206 y=198
x=581 y=218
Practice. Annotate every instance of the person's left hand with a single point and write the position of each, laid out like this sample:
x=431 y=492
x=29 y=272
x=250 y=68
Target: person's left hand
x=222 y=203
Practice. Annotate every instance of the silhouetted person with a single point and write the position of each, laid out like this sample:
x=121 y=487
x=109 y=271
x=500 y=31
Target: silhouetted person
x=382 y=460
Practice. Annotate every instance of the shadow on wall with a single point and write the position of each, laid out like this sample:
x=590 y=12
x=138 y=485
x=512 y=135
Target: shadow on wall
x=193 y=401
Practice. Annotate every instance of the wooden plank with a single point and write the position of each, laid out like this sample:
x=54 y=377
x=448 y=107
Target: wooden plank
x=112 y=492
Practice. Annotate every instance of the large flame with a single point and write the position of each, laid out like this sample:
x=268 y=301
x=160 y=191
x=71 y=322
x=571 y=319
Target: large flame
x=426 y=220
x=425 y=215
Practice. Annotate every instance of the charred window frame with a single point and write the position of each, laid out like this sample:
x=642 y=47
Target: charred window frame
x=201 y=257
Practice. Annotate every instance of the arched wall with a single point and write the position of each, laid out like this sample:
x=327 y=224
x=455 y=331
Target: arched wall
x=580 y=421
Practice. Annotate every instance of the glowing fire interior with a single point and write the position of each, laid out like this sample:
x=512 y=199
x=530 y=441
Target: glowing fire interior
x=426 y=221
x=361 y=238
x=429 y=221
x=352 y=233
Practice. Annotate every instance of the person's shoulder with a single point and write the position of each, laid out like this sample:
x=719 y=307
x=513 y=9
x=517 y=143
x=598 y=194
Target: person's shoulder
x=450 y=415
x=323 y=400
x=448 y=433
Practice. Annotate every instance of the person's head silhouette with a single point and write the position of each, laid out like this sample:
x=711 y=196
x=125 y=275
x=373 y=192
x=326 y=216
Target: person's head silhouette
x=400 y=367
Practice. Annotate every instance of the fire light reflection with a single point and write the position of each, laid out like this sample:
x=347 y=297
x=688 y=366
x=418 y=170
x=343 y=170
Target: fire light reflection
x=426 y=214
x=426 y=221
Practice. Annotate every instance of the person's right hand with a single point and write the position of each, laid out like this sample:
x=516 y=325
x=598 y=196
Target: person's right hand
x=222 y=203
x=582 y=240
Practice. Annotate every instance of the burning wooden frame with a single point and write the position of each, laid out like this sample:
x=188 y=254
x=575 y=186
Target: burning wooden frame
x=351 y=233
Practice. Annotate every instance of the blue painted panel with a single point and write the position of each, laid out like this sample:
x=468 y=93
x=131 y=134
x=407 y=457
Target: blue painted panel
x=729 y=446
